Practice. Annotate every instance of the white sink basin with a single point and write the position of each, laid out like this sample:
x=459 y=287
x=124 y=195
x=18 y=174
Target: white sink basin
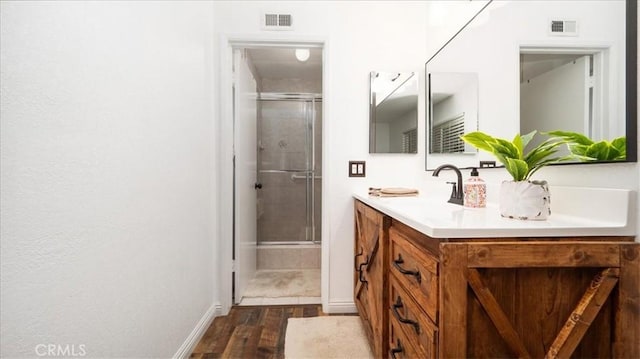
x=608 y=205
x=574 y=212
x=425 y=209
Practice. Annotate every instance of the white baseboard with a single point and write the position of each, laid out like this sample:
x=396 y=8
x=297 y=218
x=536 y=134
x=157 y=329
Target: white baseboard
x=196 y=334
x=339 y=307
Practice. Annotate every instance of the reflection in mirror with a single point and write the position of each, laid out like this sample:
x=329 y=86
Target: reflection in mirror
x=393 y=112
x=453 y=111
x=592 y=91
x=565 y=87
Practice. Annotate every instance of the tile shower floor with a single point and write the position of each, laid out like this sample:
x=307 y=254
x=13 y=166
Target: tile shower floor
x=283 y=287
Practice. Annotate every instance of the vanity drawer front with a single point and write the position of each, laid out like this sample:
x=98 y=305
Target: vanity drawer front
x=418 y=329
x=416 y=271
x=401 y=347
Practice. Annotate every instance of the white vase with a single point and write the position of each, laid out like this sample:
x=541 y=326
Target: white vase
x=526 y=200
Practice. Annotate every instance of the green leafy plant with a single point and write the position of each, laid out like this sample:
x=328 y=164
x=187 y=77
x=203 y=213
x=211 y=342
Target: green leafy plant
x=585 y=149
x=520 y=164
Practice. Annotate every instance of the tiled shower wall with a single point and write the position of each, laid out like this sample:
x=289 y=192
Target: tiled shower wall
x=283 y=144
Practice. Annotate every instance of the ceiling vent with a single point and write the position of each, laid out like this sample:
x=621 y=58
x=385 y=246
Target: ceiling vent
x=272 y=21
x=563 y=28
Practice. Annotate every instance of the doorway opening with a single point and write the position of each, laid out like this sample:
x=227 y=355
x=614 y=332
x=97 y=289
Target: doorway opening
x=277 y=173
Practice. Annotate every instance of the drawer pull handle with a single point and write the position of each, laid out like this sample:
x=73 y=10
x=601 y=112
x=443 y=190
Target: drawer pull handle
x=399 y=261
x=355 y=258
x=398 y=304
x=360 y=271
x=397 y=349
x=365 y=263
x=362 y=280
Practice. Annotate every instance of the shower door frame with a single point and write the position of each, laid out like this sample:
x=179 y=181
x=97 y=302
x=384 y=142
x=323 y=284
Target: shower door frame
x=310 y=100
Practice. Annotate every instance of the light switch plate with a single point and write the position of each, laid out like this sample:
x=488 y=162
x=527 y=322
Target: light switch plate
x=357 y=169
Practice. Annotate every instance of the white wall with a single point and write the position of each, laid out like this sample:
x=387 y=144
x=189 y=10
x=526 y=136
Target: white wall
x=107 y=145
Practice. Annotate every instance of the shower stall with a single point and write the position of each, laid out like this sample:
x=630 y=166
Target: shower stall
x=289 y=168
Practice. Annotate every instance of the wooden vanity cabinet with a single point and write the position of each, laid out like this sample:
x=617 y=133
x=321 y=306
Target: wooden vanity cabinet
x=506 y=297
x=370 y=271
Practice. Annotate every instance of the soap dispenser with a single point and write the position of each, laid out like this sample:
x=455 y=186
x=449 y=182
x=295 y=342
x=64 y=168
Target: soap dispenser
x=475 y=191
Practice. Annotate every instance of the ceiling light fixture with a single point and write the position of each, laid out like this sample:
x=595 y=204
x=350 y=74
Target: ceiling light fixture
x=302 y=54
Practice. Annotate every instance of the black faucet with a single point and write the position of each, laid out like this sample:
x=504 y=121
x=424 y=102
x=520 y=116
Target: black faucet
x=456 y=191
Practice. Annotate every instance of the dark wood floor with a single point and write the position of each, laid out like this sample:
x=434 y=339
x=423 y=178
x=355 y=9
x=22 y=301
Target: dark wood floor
x=251 y=332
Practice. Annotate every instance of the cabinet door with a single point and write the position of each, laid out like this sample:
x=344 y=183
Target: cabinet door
x=370 y=288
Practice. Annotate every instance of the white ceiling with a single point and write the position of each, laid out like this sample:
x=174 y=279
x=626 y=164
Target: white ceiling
x=280 y=63
x=532 y=65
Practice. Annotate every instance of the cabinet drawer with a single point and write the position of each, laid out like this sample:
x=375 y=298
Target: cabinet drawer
x=400 y=347
x=416 y=271
x=417 y=328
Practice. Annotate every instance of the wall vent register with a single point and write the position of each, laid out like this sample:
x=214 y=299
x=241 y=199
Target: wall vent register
x=277 y=22
x=563 y=28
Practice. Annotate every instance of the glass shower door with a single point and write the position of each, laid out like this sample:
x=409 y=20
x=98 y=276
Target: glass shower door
x=287 y=169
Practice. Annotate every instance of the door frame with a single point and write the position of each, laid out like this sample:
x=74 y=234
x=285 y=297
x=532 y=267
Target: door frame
x=226 y=169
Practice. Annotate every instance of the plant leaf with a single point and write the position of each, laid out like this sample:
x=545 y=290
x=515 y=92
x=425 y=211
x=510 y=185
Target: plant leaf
x=601 y=151
x=517 y=143
x=527 y=138
x=535 y=157
x=573 y=137
x=512 y=154
x=543 y=150
x=620 y=144
x=479 y=140
x=517 y=168
x=578 y=150
x=507 y=148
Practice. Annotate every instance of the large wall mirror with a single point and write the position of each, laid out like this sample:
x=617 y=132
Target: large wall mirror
x=393 y=112
x=538 y=65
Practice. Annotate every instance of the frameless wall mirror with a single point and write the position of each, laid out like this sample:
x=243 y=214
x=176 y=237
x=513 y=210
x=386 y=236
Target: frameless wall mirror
x=560 y=65
x=453 y=111
x=393 y=112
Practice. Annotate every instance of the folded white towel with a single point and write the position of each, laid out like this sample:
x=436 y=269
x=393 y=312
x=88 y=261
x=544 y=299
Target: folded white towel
x=393 y=192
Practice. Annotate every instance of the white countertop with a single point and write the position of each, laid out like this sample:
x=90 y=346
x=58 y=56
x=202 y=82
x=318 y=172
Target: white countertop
x=436 y=218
